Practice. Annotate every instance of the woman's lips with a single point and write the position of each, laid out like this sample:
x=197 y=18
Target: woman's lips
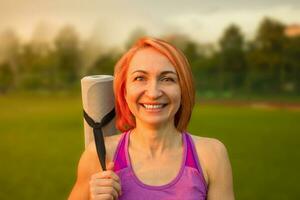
x=153 y=107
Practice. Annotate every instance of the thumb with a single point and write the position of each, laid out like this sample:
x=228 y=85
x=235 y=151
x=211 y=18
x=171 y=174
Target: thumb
x=110 y=166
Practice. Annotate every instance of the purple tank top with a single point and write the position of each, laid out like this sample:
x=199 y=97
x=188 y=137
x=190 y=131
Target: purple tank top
x=189 y=184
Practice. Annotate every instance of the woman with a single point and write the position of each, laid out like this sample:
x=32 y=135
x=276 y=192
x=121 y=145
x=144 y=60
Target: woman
x=154 y=157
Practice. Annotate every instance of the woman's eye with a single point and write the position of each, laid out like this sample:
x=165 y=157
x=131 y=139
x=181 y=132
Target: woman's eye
x=139 y=78
x=167 y=79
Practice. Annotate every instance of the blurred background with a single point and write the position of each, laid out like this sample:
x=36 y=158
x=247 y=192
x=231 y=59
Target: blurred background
x=245 y=58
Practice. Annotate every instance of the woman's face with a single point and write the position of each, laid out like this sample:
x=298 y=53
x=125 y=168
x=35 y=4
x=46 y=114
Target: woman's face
x=152 y=88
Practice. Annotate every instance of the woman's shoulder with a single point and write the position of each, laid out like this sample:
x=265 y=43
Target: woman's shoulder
x=111 y=143
x=211 y=154
x=208 y=144
x=89 y=161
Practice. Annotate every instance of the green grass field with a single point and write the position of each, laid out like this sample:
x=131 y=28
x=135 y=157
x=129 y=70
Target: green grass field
x=41 y=141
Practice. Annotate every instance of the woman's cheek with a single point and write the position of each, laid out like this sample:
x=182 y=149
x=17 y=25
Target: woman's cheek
x=133 y=89
x=132 y=94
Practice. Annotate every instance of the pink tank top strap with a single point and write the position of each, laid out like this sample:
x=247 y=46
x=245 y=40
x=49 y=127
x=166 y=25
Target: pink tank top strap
x=192 y=157
x=120 y=154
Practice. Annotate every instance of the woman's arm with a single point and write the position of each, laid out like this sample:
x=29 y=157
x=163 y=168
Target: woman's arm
x=86 y=168
x=219 y=173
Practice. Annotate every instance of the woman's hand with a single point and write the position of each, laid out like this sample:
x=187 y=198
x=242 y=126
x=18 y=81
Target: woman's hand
x=105 y=185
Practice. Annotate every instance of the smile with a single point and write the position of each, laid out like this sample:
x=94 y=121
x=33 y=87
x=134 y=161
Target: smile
x=153 y=106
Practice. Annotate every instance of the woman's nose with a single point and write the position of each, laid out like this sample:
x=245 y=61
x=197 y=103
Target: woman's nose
x=153 y=90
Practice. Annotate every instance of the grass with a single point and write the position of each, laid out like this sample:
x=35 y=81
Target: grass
x=41 y=141
x=262 y=145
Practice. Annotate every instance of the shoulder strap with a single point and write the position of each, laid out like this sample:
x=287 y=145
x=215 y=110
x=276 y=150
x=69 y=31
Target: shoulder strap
x=98 y=134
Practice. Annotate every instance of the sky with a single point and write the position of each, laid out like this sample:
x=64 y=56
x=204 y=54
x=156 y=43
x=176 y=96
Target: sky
x=111 y=22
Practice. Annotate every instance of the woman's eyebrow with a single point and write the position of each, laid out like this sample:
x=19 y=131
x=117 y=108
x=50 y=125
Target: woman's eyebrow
x=162 y=73
x=141 y=71
x=168 y=72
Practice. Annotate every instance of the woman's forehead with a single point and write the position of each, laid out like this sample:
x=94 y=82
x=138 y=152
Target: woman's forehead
x=149 y=59
x=151 y=69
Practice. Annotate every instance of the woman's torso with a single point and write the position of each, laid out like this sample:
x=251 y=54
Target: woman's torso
x=188 y=184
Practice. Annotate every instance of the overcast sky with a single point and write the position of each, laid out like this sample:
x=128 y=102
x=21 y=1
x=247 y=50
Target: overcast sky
x=112 y=21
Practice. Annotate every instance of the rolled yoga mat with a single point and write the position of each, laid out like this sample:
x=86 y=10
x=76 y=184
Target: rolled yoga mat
x=98 y=106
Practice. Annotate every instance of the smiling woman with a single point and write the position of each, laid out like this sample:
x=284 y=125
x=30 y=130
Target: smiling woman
x=152 y=91
x=155 y=157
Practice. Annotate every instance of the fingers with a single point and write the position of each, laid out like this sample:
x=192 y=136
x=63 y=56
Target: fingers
x=104 y=193
x=106 y=174
x=107 y=183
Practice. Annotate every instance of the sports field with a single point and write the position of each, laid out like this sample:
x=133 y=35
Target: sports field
x=41 y=139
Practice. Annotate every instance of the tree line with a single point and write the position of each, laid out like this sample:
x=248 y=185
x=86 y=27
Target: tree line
x=267 y=64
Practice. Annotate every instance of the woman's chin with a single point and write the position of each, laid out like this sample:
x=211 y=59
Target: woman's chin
x=155 y=122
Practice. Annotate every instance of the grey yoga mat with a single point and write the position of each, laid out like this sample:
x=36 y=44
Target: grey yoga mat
x=98 y=111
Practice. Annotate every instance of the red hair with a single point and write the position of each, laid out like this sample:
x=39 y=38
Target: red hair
x=124 y=118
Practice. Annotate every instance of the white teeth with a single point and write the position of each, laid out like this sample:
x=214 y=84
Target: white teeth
x=149 y=106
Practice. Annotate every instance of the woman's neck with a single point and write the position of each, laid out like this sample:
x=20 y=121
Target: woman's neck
x=154 y=142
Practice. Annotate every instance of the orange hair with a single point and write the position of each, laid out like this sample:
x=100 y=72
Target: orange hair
x=124 y=118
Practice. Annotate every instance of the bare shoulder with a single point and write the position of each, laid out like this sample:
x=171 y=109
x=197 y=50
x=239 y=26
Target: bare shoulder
x=212 y=154
x=111 y=143
x=89 y=161
x=210 y=145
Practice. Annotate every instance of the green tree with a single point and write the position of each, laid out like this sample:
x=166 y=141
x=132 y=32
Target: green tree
x=6 y=77
x=38 y=64
x=266 y=56
x=191 y=51
x=38 y=67
x=10 y=49
x=68 y=56
x=104 y=64
x=232 y=66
